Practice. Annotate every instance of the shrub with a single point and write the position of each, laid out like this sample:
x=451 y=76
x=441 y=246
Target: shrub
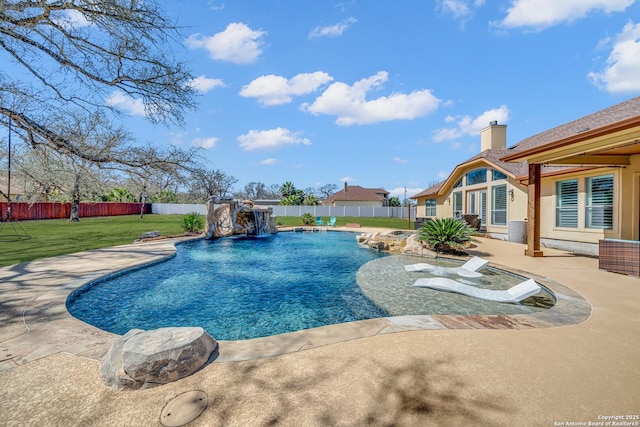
x=193 y=222
x=446 y=234
x=308 y=219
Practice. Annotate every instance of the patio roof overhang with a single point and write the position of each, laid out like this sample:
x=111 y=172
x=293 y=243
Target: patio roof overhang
x=610 y=145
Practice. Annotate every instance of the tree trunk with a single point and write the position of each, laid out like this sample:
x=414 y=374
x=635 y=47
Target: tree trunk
x=143 y=199
x=142 y=205
x=75 y=200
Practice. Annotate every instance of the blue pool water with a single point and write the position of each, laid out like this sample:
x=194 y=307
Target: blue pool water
x=237 y=288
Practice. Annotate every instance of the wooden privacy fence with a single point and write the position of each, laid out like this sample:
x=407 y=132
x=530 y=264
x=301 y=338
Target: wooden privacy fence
x=56 y=210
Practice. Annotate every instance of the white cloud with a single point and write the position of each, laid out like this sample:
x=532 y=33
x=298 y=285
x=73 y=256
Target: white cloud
x=400 y=160
x=269 y=161
x=347 y=179
x=214 y=6
x=177 y=138
x=203 y=84
x=350 y=105
x=277 y=90
x=122 y=101
x=70 y=19
x=332 y=30
x=399 y=192
x=270 y=139
x=622 y=72
x=468 y=126
x=443 y=175
x=541 y=14
x=205 y=143
x=237 y=43
x=458 y=8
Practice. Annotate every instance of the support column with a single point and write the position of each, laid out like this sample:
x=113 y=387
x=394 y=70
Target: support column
x=533 y=212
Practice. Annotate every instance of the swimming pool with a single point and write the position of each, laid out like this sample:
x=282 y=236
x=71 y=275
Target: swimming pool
x=248 y=288
x=237 y=288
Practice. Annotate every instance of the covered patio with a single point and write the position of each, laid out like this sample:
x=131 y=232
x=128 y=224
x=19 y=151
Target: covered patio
x=615 y=146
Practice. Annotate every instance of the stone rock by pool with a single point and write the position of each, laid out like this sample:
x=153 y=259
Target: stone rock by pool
x=143 y=359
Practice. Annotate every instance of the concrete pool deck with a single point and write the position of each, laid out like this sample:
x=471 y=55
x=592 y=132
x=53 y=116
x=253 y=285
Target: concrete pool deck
x=437 y=371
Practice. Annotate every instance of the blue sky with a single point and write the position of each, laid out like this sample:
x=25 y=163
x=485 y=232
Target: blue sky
x=388 y=94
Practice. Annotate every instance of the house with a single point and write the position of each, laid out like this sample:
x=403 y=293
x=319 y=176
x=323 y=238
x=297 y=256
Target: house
x=16 y=190
x=354 y=195
x=568 y=187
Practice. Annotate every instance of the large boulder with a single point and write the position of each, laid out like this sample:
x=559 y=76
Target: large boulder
x=143 y=359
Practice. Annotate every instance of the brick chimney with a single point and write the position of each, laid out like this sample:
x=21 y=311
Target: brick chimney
x=493 y=136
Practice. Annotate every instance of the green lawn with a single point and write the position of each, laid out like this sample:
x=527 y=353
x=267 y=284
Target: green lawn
x=60 y=236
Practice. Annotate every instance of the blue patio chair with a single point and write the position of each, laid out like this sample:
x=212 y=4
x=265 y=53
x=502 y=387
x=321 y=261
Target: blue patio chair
x=332 y=221
x=319 y=221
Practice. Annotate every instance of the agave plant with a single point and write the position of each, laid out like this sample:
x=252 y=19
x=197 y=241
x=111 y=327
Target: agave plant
x=446 y=234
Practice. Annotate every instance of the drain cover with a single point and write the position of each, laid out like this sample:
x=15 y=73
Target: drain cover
x=183 y=408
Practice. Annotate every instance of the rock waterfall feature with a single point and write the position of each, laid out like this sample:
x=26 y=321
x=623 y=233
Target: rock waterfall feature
x=232 y=217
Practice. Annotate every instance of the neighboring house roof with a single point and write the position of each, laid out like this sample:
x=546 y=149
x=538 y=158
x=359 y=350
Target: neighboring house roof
x=355 y=193
x=519 y=170
x=15 y=187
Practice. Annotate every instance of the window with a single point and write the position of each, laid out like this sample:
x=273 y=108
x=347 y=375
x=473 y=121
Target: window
x=477 y=204
x=477 y=176
x=496 y=175
x=499 y=205
x=458 y=184
x=430 y=205
x=599 y=206
x=471 y=203
x=457 y=204
x=567 y=203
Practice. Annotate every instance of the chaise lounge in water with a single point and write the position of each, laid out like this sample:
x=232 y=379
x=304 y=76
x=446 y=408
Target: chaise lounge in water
x=468 y=269
x=514 y=294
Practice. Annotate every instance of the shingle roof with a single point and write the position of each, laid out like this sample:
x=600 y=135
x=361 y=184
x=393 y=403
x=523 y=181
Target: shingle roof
x=357 y=193
x=431 y=191
x=616 y=113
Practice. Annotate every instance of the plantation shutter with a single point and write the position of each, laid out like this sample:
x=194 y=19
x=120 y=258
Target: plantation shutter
x=599 y=209
x=499 y=205
x=483 y=207
x=457 y=204
x=567 y=204
x=471 y=206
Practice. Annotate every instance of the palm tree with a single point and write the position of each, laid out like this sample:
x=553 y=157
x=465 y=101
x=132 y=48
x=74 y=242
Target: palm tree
x=311 y=200
x=287 y=189
x=119 y=194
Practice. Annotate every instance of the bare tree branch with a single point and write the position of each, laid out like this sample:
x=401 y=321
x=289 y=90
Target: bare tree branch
x=80 y=52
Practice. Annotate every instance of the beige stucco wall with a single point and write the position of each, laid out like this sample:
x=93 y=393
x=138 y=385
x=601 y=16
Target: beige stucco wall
x=443 y=209
x=625 y=210
x=517 y=209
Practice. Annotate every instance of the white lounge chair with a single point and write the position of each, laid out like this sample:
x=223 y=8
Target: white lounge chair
x=468 y=269
x=515 y=294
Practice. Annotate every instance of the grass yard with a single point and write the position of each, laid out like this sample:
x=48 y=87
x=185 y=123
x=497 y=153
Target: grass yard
x=59 y=236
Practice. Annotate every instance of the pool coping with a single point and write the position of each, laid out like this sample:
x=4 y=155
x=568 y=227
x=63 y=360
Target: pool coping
x=50 y=328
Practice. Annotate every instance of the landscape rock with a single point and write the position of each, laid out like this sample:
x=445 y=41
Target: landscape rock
x=149 y=235
x=143 y=359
